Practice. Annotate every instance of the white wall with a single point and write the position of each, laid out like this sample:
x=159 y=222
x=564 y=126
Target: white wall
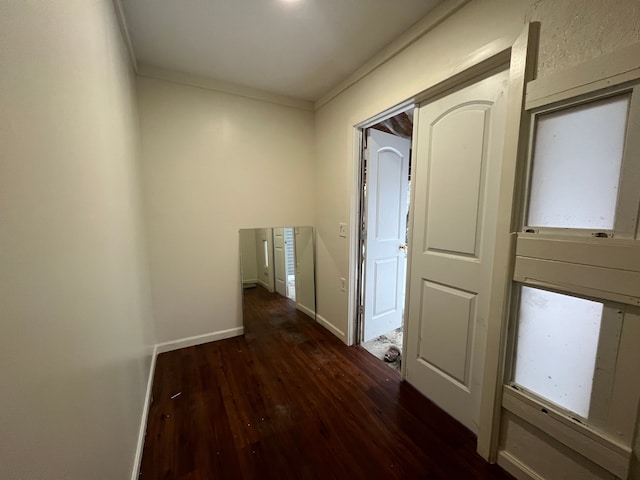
x=214 y=163
x=76 y=324
x=571 y=32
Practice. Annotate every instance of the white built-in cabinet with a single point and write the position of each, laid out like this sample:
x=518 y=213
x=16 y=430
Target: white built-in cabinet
x=570 y=301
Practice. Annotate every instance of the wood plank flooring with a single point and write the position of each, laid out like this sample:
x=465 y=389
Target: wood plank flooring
x=289 y=400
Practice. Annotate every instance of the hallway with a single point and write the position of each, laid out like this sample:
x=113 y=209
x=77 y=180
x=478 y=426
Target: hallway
x=289 y=400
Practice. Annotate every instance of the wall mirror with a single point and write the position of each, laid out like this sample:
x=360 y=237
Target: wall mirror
x=278 y=275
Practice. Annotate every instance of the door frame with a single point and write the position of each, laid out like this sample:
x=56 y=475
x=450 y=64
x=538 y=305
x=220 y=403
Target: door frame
x=519 y=54
x=356 y=259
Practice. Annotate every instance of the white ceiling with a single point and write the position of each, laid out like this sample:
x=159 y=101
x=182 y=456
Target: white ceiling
x=299 y=48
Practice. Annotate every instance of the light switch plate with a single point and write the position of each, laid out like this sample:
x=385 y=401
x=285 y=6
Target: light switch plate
x=342 y=230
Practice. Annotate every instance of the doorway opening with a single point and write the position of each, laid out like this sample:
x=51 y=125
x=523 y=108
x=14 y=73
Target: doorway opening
x=384 y=188
x=284 y=256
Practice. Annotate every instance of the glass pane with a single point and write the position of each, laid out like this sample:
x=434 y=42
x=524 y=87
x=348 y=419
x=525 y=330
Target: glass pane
x=576 y=165
x=556 y=347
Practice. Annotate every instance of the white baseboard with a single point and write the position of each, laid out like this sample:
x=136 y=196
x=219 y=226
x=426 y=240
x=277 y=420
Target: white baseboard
x=249 y=280
x=199 y=339
x=331 y=327
x=306 y=310
x=168 y=347
x=515 y=468
x=137 y=460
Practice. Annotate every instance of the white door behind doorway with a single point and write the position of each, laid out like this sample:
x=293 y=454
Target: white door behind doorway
x=456 y=178
x=386 y=222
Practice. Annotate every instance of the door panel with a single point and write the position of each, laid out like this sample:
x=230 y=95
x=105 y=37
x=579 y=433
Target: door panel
x=385 y=298
x=386 y=220
x=452 y=216
x=457 y=172
x=447 y=331
x=389 y=189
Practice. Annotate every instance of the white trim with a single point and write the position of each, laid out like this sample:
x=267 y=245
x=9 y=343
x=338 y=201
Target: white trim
x=137 y=459
x=397 y=109
x=412 y=210
x=353 y=301
x=618 y=253
x=150 y=71
x=577 y=437
x=515 y=468
x=306 y=310
x=249 y=280
x=157 y=350
x=331 y=327
x=484 y=61
x=621 y=286
x=198 y=339
x=124 y=30
x=414 y=33
x=522 y=53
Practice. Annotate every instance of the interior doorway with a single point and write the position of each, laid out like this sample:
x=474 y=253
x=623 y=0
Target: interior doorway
x=385 y=185
x=458 y=162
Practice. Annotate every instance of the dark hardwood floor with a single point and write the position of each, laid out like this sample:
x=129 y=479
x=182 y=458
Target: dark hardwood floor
x=289 y=400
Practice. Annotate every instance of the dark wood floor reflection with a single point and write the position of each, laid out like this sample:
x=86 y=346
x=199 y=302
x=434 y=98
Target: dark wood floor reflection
x=289 y=400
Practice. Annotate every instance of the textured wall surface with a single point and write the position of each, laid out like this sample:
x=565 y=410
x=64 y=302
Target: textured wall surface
x=573 y=31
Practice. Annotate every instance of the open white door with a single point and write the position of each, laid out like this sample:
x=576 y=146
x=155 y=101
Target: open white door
x=456 y=178
x=279 y=261
x=386 y=220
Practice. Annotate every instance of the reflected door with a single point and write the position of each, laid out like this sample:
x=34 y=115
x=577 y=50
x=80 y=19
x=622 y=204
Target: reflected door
x=279 y=263
x=385 y=250
x=459 y=154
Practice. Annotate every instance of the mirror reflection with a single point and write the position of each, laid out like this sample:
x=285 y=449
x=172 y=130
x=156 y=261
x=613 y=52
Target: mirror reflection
x=278 y=273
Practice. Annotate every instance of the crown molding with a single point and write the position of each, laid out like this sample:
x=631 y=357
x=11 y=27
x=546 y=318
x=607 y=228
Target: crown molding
x=415 y=32
x=124 y=30
x=151 y=71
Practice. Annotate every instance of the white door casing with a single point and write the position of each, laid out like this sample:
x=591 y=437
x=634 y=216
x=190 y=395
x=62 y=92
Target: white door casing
x=279 y=261
x=457 y=175
x=386 y=224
